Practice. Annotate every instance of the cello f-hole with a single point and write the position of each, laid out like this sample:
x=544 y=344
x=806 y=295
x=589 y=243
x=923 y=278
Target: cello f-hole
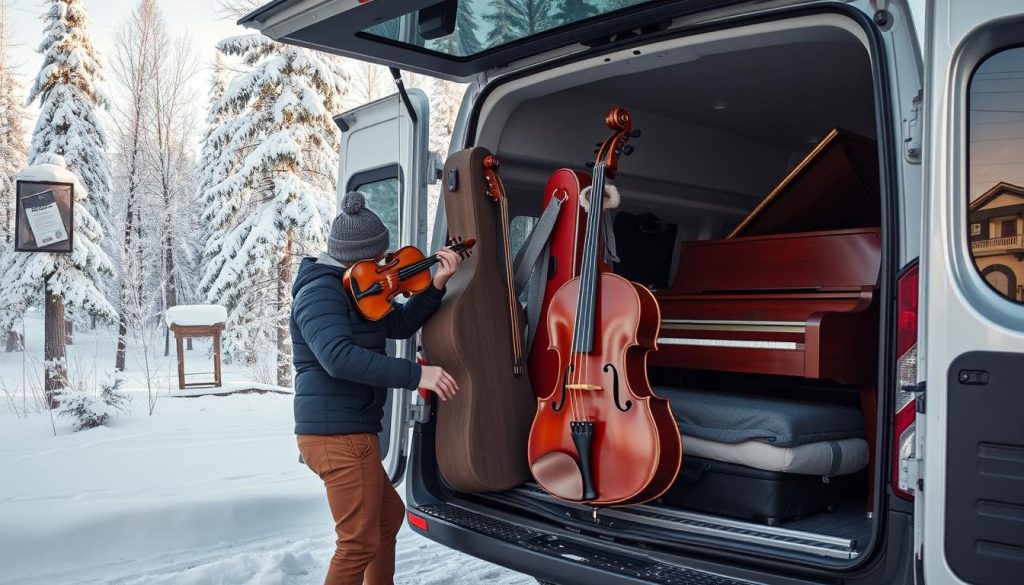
x=558 y=404
x=615 y=388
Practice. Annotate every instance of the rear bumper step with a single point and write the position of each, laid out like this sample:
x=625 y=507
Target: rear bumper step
x=716 y=527
x=612 y=566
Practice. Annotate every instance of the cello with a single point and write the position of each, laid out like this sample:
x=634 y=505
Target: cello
x=600 y=435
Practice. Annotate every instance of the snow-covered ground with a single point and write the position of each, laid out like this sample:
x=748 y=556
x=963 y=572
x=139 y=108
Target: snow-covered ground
x=207 y=490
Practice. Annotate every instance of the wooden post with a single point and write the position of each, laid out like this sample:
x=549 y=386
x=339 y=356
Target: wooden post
x=216 y=358
x=181 y=361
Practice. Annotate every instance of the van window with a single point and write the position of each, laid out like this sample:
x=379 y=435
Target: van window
x=383 y=189
x=995 y=171
x=485 y=24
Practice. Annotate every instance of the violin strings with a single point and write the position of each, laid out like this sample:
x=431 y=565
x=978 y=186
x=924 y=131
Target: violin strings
x=417 y=267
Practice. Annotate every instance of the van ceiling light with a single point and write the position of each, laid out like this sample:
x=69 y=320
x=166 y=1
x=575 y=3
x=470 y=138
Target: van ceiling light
x=719 y=106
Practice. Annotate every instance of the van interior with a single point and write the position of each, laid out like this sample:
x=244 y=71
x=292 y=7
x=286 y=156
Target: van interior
x=725 y=117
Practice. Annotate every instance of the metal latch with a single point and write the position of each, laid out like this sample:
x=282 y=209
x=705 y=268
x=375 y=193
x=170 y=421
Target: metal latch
x=911 y=474
x=912 y=128
x=419 y=412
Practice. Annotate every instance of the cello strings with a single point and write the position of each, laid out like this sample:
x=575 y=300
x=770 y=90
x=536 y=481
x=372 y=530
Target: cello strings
x=585 y=291
x=594 y=221
x=588 y=283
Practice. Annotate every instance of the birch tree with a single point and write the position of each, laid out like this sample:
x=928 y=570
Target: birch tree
x=133 y=71
x=170 y=158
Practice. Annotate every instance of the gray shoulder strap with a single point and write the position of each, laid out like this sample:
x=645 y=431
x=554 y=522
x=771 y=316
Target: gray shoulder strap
x=532 y=259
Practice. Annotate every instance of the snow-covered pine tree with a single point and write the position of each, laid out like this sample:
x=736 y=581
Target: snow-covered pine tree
x=69 y=90
x=514 y=19
x=445 y=99
x=12 y=131
x=67 y=280
x=210 y=169
x=221 y=151
x=465 y=40
x=70 y=93
x=574 y=11
x=13 y=153
x=279 y=191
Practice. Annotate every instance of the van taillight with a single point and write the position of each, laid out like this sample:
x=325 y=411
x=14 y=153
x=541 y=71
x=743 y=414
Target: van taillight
x=418 y=522
x=906 y=375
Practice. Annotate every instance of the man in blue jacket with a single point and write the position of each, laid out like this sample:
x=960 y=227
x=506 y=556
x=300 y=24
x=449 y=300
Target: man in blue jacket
x=343 y=374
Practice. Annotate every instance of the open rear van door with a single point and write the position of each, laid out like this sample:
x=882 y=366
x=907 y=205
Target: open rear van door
x=458 y=39
x=384 y=154
x=968 y=472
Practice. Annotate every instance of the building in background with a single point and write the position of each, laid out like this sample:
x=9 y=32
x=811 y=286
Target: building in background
x=997 y=238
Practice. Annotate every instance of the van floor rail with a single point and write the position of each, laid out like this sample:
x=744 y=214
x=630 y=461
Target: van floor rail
x=691 y=524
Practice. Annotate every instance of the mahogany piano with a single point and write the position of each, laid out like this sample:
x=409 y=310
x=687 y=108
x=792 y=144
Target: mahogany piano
x=793 y=289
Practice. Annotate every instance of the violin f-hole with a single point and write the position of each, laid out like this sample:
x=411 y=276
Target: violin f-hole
x=615 y=388
x=558 y=404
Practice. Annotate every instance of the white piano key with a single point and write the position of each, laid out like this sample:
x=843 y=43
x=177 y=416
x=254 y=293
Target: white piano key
x=742 y=343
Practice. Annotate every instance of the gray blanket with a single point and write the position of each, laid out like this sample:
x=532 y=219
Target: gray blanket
x=734 y=418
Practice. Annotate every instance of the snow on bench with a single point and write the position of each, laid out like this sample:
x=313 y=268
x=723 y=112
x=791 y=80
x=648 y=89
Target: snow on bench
x=196 y=315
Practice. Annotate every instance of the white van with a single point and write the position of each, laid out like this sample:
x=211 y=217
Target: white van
x=730 y=95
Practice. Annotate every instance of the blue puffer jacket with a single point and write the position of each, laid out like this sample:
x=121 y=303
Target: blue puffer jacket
x=342 y=370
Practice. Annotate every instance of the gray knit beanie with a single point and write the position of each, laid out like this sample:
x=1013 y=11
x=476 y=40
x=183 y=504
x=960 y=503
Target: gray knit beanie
x=356 y=233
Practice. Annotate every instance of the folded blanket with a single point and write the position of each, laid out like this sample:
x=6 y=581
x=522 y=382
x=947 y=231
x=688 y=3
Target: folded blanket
x=734 y=418
x=824 y=458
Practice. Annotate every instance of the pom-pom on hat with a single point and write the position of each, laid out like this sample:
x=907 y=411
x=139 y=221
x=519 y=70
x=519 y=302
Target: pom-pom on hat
x=356 y=233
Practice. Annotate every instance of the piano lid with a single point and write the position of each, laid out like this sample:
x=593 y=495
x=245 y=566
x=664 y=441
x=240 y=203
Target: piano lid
x=834 y=187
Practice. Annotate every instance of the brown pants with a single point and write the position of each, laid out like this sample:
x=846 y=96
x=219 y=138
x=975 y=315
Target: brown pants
x=367 y=511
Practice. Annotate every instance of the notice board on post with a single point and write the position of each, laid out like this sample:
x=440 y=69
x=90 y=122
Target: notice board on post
x=44 y=217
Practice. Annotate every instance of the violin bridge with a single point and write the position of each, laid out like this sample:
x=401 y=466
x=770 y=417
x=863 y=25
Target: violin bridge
x=591 y=387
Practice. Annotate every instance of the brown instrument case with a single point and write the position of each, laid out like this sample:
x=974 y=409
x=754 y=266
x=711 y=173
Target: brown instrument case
x=481 y=434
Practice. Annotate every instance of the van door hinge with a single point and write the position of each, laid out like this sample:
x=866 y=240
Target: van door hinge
x=912 y=128
x=435 y=167
x=419 y=412
x=911 y=474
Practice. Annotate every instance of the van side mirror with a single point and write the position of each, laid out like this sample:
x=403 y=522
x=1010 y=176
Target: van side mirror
x=437 y=20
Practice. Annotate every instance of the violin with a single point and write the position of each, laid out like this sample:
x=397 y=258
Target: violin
x=375 y=284
x=600 y=435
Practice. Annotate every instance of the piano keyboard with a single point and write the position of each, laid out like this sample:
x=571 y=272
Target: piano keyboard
x=724 y=325
x=741 y=343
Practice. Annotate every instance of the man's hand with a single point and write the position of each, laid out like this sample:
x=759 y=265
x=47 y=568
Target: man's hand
x=449 y=264
x=438 y=381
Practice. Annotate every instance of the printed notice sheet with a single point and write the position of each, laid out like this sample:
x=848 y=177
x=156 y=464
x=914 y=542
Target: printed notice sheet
x=44 y=218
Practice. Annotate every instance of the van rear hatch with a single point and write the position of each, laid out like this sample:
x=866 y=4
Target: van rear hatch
x=457 y=39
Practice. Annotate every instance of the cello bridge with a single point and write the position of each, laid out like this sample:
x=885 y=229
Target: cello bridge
x=583 y=387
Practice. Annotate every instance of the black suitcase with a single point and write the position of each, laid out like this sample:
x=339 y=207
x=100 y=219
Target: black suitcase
x=646 y=246
x=768 y=497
